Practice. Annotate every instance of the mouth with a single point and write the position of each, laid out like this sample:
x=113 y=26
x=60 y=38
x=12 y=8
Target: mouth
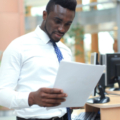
x=58 y=35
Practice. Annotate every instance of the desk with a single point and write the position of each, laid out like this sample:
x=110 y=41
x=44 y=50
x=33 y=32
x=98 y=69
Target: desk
x=110 y=92
x=108 y=111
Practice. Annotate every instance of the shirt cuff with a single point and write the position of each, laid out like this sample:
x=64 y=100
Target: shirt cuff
x=21 y=100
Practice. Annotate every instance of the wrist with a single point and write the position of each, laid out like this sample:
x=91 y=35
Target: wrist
x=31 y=99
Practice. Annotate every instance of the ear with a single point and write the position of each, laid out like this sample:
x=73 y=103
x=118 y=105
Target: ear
x=44 y=15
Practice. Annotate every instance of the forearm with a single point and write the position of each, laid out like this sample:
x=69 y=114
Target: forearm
x=12 y=99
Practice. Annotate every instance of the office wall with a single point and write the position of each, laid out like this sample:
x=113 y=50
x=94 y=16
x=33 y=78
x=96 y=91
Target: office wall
x=11 y=21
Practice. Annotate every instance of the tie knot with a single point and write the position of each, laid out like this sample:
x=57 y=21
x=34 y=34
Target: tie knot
x=54 y=43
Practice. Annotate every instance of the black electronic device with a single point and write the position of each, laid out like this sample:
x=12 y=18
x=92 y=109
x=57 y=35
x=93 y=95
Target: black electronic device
x=86 y=116
x=94 y=61
x=102 y=98
x=94 y=58
x=102 y=81
x=113 y=70
x=102 y=61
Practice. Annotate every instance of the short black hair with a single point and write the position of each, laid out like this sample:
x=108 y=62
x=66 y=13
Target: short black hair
x=69 y=4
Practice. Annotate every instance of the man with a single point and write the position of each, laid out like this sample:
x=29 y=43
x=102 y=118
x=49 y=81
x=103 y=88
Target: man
x=30 y=63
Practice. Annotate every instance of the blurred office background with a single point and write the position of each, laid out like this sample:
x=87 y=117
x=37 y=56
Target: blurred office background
x=96 y=28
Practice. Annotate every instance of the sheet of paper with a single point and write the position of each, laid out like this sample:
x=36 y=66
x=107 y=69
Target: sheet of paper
x=77 y=80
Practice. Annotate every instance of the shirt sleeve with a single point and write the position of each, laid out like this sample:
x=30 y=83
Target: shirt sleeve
x=9 y=76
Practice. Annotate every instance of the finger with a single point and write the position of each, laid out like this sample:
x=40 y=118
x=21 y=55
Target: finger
x=51 y=90
x=52 y=96
x=75 y=107
x=52 y=101
x=50 y=105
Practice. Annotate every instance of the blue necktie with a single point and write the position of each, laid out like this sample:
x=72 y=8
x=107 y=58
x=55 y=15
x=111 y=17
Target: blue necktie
x=60 y=57
x=58 y=52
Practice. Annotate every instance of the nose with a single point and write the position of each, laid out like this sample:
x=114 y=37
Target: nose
x=61 y=29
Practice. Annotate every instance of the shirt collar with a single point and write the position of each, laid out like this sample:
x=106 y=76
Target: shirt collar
x=42 y=35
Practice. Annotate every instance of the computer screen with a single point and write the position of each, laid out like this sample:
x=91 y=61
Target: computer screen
x=99 y=88
x=102 y=59
x=94 y=58
x=112 y=69
x=94 y=61
x=102 y=62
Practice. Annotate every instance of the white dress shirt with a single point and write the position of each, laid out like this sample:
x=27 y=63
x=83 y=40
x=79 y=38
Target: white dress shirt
x=28 y=64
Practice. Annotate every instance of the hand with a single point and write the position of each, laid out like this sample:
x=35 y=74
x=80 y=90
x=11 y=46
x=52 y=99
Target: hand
x=47 y=97
x=76 y=107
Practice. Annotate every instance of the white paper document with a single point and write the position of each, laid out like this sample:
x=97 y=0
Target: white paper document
x=77 y=80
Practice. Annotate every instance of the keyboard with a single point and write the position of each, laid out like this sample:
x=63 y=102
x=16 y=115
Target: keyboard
x=86 y=116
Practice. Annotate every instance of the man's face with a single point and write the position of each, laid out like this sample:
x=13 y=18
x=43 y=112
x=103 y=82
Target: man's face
x=57 y=22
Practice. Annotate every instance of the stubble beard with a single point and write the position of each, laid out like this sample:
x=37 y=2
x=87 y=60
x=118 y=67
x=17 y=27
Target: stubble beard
x=49 y=34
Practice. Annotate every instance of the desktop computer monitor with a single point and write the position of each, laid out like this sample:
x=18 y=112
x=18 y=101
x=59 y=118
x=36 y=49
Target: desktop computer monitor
x=102 y=62
x=94 y=61
x=94 y=58
x=112 y=69
x=102 y=59
x=102 y=98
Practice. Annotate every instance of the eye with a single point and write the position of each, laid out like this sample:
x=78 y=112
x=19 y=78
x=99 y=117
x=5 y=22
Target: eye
x=67 y=24
x=57 y=21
